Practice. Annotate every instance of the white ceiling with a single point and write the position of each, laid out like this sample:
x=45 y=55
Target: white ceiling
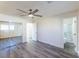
x=45 y=8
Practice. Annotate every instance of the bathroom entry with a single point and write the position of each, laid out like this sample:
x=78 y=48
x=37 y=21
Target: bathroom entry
x=31 y=32
x=70 y=35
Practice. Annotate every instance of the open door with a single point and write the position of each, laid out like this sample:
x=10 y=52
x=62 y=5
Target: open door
x=70 y=35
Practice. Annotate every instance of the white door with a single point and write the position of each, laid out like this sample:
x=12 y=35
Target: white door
x=34 y=31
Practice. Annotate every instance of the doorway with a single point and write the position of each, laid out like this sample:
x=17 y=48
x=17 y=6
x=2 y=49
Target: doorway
x=70 y=35
x=31 y=32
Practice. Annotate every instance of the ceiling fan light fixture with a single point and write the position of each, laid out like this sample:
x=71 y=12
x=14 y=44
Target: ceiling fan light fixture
x=30 y=15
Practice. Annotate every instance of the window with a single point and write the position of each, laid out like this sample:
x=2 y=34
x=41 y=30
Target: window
x=4 y=27
x=11 y=27
x=7 y=27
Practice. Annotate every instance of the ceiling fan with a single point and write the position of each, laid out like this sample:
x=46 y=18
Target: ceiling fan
x=30 y=13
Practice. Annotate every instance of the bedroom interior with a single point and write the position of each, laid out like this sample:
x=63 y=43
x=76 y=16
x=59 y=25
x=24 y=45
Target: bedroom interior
x=39 y=29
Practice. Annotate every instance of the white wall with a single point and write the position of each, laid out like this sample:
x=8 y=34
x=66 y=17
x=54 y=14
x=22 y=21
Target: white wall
x=49 y=31
x=17 y=20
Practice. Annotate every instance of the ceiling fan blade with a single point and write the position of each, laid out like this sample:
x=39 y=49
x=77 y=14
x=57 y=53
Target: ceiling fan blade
x=35 y=11
x=38 y=15
x=30 y=9
x=21 y=10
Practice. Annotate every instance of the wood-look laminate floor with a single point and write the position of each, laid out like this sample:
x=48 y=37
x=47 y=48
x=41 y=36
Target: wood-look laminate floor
x=34 y=50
